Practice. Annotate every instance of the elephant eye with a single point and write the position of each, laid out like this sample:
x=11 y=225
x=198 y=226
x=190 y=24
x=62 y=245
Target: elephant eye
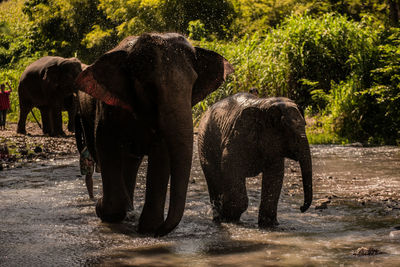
x=298 y=122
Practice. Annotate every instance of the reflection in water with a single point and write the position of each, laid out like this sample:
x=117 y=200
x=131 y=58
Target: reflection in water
x=46 y=218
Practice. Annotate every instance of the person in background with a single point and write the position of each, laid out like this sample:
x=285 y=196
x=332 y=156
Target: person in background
x=4 y=104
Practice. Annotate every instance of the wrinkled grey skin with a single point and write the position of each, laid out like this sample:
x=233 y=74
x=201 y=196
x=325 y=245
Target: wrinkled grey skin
x=136 y=100
x=242 y=136
x=48 y=84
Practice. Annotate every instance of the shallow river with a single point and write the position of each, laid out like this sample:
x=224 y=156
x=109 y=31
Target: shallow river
x=47 y=219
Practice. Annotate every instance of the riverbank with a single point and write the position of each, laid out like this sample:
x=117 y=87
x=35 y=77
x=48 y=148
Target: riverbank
x=17 y=150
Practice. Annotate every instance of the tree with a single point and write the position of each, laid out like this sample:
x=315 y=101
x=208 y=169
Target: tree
x=60 y=26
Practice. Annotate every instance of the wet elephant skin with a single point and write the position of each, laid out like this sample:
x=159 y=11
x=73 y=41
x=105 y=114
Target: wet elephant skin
x=136 y=100
x=242 y=136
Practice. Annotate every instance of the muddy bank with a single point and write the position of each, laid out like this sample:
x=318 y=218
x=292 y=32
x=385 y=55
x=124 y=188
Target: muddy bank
x=22 y=150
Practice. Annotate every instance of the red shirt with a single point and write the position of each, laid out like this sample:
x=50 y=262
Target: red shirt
x=4 y=100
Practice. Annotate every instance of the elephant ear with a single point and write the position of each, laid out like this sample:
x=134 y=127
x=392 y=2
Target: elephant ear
x=107 y=80
x=275 y=118
x=51 y=76
x=212 y=70
x=249 y=123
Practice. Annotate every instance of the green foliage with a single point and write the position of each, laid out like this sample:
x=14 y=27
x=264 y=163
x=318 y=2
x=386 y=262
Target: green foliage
x=302 y=58
x=217 y=15
x=197 y=30
x=322 y=51
x=14 y=29
x=12 y=76
x=69 y=28
x=134 y=17
x=260 y=15
x=344 y=70
x=371 y=113
x=320 y=130
x=138 y=16
x=338 y=59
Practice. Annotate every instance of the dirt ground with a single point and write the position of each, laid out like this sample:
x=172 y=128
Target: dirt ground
x=17 y=150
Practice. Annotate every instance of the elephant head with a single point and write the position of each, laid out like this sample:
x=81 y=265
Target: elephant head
x=281 y=127
x=60 y=75
x=286 y=118
x=157 y=78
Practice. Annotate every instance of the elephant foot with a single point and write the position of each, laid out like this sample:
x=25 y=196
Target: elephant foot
x=113 y=217
x=59 y=134
x=21 y=131
x=226 y=219
x=228 y=211
x=146 y=229
x=149 y=224
x=268 y=222
x=220 y=217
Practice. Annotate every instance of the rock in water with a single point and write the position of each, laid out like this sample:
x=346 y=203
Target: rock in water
x=363 y=251
x=395 y=234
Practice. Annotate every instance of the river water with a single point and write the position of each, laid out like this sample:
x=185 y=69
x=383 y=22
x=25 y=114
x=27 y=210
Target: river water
x=47 y=218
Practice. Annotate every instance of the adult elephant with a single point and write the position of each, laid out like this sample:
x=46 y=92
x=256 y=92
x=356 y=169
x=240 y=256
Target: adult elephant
x=242 y=136
x=48 y=84
x=137 y=101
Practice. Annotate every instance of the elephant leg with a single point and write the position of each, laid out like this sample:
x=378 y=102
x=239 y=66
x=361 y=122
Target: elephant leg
x=44 y=112
x=116 y=170
x=24 y=110
x=130 y=174
x=56 y=122
x=158 y=171
x=234 y=197
x=71 y=120
x=212 y=173
x=271 y=189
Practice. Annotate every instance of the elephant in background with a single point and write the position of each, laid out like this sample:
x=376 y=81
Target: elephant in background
x=48 y=84
x=137 y=100
x=242 y=136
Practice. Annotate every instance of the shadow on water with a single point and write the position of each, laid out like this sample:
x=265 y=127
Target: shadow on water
x=202 y=248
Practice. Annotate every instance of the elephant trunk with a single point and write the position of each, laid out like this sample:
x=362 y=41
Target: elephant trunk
x=177 y=128
x=306 y=173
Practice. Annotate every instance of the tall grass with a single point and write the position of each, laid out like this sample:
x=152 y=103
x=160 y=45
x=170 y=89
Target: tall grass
x=300 y=59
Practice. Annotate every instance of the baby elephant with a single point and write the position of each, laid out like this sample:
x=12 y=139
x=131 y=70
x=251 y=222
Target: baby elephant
x=243 y=135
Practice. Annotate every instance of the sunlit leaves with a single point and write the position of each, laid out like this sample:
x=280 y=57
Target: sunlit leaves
x=96 y=36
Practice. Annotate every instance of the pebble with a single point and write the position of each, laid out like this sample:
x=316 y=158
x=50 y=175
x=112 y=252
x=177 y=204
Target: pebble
x=322 y=204
x=364 y=251
x=395 y=234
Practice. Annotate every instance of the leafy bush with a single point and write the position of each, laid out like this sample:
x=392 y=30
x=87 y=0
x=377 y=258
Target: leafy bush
x=348 y=72
x=197 y=30
x=302 y=56
x=322 y=51
x=371 y=114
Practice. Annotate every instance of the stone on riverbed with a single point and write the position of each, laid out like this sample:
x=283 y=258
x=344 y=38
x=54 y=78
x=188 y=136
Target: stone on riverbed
x=395 y=234
x=363 y=251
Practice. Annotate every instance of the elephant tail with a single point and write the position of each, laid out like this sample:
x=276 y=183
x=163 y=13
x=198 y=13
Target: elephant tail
x=37 y=121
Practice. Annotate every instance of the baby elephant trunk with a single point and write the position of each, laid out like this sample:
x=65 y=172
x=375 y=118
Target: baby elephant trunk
x=306 y=173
